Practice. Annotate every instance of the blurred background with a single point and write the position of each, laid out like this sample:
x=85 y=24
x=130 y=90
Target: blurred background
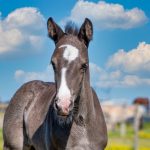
x=119 y=58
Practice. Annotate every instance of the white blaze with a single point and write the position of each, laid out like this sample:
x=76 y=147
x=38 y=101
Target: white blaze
x=70 y=53
x=63 y=92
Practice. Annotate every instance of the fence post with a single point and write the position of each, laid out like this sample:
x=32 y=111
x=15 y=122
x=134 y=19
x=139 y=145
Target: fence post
x=136 y=127
x=123 y=128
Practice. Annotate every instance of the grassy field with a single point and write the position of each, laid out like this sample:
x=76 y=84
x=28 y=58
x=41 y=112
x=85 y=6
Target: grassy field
x=121 y=143
x=1 y=140
x=116 y=142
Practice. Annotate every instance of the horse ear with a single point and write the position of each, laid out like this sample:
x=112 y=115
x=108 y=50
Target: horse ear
x=54 y=31
x=86 y=32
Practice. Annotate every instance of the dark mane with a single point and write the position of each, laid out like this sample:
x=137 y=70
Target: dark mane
x=71 y=28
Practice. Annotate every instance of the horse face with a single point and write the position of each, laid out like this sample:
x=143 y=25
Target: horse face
x=70 y=62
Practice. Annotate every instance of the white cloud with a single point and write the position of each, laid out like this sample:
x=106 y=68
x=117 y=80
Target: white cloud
x=124 y=69
x=135 y=60
x=133 y=80
x=25 y=17
x=107 y=15
x=102 y=78
x=46 y=75
x=100 y=75
x=22 y=30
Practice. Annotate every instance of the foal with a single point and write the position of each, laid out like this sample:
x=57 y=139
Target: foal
x=65 y=115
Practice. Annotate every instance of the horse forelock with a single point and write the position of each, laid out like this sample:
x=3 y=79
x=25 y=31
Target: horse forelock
x=71 y=28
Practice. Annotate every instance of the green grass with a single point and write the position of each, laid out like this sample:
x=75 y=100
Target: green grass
x=116 y=142
x=1 y=140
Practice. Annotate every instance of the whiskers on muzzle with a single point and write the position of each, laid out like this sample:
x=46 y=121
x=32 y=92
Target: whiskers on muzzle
x=63 y=120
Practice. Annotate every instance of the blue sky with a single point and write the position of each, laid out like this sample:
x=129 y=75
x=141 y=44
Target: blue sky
x=119 y=53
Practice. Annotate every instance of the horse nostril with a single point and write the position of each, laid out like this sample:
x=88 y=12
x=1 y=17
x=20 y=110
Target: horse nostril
x=71 y=105
x=56 y=106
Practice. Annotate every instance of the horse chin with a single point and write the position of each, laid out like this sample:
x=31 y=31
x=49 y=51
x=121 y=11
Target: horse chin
x=63 y=120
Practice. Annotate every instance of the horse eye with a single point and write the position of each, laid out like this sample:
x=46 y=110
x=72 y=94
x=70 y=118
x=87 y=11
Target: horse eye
x=53 y=64
x=84 y=66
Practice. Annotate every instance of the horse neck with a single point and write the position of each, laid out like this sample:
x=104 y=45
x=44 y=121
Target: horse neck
x=86 y=102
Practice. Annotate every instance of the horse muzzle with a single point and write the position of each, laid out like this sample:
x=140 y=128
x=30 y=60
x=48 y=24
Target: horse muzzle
x=63 y=106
